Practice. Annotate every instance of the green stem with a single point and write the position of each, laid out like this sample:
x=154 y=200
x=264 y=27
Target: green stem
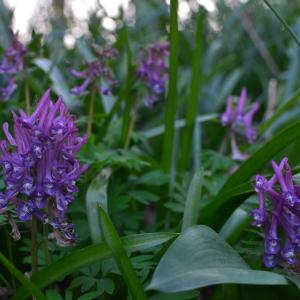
x=27 y=96
x=91 y=112
x=46 y=245
x=131 y=125
x=34 y=246
x=110 y=116
x=283 y=22
x=127 y=92
x=10 y=254
x=170 y=115
x=192 y=102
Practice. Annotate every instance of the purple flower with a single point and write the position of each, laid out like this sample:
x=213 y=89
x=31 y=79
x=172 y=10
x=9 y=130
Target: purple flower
x=11 y=64
x=39 y=163
x=283 y=215
x=7 y=86
x=153 y=70
x=13 y=61
x=96 y=72
x=240 y=120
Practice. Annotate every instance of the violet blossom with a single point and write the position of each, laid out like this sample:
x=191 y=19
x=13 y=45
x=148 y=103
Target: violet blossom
x=283 y=216
x=239 y=119
x=11 y=64
x=39 y=165
x=96 y=72
x=153 y=70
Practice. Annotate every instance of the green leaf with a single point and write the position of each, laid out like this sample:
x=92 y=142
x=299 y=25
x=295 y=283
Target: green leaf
x=53 y=295
x=207 y=260
x=91 y=295
x=143 y=196
x=119 y=253
x=89 y=255
x=28 y=286
x=60 y=85
x=192 y=204
x=96 y=195
x=223 y=206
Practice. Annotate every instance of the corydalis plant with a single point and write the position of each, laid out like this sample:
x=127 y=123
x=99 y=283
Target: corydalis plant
x=11 y=64
x=40 y=167
x=98 y=73
x=282 y=215
x=153 y=70
x=239 y=120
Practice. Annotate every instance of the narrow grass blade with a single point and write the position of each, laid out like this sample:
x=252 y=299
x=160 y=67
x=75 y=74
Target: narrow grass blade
x=119 y=253
x=89 y=255
x=289 y=104
x=172 y=90
x=283 y=22
x=180 y=123
x=192 y=102
x=28 y=285
x=192 y=204
x=127 y=92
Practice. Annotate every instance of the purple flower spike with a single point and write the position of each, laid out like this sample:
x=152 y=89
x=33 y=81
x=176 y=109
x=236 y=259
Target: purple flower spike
x=96 y=72
x=11 y=64
x=284 y=213
x=40 y=179
x=153 y=70
x=13 y=61
x=240 y=120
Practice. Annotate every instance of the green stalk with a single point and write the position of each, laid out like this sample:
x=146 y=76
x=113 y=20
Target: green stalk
x=283 y=22
x=10 y=254
x=110 y=116
x=46 y=245
x=27 y=96
x=34 y=246
x=91 y=112
x=127 y=93
x=191 y=112
x=172 y=90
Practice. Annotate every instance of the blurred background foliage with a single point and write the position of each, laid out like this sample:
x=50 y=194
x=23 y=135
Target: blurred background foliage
x=243 y=45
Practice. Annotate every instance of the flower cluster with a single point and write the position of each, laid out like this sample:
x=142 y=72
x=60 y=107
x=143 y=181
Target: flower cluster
x=97 y=72
x=240 y=120
x=282 y=216
x=153 y=70
x=11 y=64
x=39 y=165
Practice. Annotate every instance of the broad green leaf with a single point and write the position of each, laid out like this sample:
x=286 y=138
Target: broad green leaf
x=223 y=205
x=28 y=286
x=119 y=253
x=60 y=85
x=207 y=260
x=96 y=195
x=192 y=204
x=89 y=255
